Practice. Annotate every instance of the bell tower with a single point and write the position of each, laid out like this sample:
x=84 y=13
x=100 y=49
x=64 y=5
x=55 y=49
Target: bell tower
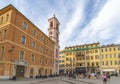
x=54 y=35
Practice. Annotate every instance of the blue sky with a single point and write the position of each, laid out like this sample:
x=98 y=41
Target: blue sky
x=81 y=21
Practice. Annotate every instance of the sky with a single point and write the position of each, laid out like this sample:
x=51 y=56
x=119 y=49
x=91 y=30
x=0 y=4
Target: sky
x=81 y=21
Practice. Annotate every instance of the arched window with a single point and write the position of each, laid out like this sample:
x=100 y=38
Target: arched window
x=51 y=24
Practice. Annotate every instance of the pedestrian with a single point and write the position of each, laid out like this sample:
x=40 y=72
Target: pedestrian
x=108 y=75
x=104 y=78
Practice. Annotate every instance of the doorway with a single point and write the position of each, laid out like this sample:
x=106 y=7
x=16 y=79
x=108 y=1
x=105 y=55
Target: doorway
x=20 y=70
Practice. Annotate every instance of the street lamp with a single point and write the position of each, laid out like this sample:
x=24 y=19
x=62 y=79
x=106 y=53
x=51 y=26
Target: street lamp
x=12 y=48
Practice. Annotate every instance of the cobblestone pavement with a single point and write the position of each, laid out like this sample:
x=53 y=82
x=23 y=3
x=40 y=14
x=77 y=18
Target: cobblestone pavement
x=61 y=80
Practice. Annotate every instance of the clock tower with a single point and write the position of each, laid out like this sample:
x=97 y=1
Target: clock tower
x=54 y=35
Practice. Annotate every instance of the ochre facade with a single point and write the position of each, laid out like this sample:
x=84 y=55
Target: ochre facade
x=90 y=58
x=80 y=59
x=25 y=51
x=110 y=58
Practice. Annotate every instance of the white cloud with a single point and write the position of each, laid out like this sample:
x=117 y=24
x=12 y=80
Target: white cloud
x=71 y=25
x=104 y=27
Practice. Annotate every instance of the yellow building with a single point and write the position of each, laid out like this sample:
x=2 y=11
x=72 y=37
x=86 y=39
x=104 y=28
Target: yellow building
x=92 y=58
x=82 y=58
x=110 y=58
x=62 y=63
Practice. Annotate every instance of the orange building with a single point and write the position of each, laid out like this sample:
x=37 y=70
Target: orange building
x=25 y=51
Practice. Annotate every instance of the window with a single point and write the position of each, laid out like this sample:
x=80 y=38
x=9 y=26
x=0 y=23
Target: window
x=87 y=57
x=23 y=40
x=46 y=51
x=110 y=62
x=47 y=42
x=96 y=51
x=118 y=48
x=40 y=71
x=51 y=24
x=33 y=44
x=32 y=57
x=97 y=57
x=40 y=48
x=34 y=33
x=46 y=61
x=106 y=56
x=67 y=59
x=97 y=64
x=106 y=49
x=92 y=64
x=5 y=33
x=102 y=56
x=1 y=20
x=24 y=25
x=21 y=55
x=40 y=59
x=87 y=52
x=102 y=62
x=2 y=52
x=91 y=57
x=119 y=62
x=110 y=49
x=88 y=64
x=114 y=49
x=7 y=17
x=119 y=55
x=110 y=55
x=31 y=72
x=115 y=62
x=114 y=55
x=106 y=62
x=45 y=71
x=41 y=38
x=101 y=50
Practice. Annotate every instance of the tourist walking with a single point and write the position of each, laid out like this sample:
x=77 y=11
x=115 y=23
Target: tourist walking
x=104 y=78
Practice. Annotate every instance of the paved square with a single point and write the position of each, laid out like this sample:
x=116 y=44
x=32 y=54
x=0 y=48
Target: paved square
x=61 y=80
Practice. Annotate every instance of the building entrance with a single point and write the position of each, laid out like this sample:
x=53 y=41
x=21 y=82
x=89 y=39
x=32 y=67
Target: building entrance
x=20 y=70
